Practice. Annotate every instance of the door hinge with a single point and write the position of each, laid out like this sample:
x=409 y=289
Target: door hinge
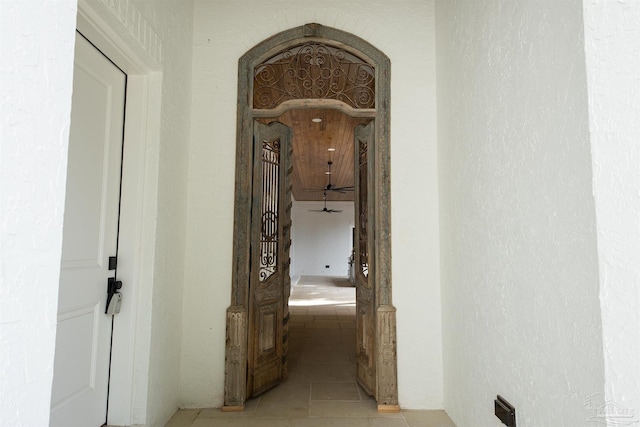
x=113 y=263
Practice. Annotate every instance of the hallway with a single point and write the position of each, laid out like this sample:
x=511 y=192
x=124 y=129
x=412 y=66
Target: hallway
x=321 y=389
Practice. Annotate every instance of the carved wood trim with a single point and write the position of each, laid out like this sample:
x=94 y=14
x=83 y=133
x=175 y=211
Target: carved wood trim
x=306 y=104
x=314 y=70
x=386 y=369
x=235 y=374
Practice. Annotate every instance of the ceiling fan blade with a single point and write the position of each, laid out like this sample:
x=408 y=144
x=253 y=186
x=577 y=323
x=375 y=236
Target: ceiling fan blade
x=333 y=190
x=324 y=197
x=325 y=210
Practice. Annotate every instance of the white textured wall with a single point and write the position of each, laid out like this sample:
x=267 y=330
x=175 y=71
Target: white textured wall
x=172 y=21
x=613 y=74
x=36 y=65
x=519 y=262
x=320 y=239
x=224 y=31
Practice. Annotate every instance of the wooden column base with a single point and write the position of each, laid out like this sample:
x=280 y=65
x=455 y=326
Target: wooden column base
x=235 y=378
x=389 y=409
x=232 y=409
x=386 y=363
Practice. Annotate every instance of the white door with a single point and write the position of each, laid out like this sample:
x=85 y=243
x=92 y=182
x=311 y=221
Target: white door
x=81 y=369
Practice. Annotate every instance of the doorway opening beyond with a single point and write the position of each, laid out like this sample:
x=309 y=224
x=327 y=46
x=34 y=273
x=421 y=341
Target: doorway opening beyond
x=322 y=332
x=322 y=354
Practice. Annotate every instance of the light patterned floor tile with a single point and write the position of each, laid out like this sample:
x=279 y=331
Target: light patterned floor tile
x=387 y=422
x=334 y=391
x=242 y=422
x=321 y=389
x=337 y=355
x=329 y=422
x=364 y=409
x=427 y=419
x=328 y=372
x=183 y=418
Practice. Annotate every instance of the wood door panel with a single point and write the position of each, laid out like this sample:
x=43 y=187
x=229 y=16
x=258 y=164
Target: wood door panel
x=365 y=294
x=270 y=243
x=365 y=346
x=268 y=329
x=268 y=349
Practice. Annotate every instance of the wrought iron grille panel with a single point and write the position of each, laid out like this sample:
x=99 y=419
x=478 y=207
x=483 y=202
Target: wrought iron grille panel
x=269 y=236
x=314 y=70
x=363 y=210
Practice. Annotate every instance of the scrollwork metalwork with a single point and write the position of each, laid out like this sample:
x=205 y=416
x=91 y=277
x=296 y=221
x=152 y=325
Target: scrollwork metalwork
x=269 y=226
x=271 y=152
x=314 y=70
x=269 y=220
x=363 y=207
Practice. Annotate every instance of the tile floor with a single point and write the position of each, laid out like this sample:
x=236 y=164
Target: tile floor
x=321 y=390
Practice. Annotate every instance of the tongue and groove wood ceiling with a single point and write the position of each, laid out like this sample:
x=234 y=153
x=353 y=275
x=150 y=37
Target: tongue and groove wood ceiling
x=311 y=143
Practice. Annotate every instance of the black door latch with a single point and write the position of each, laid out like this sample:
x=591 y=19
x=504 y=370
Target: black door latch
x=113 y=286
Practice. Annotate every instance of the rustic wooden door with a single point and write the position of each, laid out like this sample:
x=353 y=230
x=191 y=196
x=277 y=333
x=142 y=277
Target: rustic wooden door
x=365 y=292
x=270 y=283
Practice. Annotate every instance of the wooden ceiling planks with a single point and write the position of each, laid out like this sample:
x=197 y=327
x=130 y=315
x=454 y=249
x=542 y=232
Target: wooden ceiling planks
x=311 y=142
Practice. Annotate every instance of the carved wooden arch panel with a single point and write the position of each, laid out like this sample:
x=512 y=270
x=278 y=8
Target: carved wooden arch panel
x=359 y=80
x=314 y=70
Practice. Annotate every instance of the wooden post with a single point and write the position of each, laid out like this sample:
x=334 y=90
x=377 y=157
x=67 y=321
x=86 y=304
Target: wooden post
x=387 y=385
x=235 y=375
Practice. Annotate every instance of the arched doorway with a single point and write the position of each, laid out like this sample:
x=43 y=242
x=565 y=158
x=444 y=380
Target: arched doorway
x=307 y=67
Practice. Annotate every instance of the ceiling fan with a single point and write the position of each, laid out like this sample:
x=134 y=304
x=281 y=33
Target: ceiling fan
x=324 y=197
x=330 y=186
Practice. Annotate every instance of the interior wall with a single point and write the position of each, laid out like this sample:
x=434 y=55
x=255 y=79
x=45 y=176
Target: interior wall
x=319 y=239
x=173 y=21
x=613 y=76
x=519 y=261
x=223 y=32
x=36 y=54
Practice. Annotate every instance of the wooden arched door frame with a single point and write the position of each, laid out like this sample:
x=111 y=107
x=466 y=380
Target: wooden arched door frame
x=237 y=314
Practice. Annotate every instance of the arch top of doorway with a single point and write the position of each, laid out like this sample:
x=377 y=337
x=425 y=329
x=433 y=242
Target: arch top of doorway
x=311 y=32
x=361 y=48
